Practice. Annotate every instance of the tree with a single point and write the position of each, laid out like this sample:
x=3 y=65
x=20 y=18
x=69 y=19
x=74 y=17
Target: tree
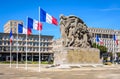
x=103 y=49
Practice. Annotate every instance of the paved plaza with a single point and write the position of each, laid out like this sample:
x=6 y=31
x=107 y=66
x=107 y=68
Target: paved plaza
x=105 y=72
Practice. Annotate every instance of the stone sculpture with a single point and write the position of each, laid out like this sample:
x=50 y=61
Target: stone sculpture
x=74 y=32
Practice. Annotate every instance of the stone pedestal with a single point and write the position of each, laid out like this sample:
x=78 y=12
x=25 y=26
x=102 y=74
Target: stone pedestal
x=77 y=56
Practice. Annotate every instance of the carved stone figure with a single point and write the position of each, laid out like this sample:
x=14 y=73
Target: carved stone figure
x=74 y=32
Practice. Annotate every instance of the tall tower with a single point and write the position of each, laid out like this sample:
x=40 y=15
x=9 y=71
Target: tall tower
x=12 y=24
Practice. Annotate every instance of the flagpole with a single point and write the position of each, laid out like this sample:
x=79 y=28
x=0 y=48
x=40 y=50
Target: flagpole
x=96 y=44
x=26 y=46
x=113 y=49
x=96 y=40
x=39 y=40
x=10 y=54
x=116 y=56
x=17 y=50
x=11 y=36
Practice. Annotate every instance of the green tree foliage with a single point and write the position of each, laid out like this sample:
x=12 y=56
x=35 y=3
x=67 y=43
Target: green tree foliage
x=118 y=54
x=102 y=49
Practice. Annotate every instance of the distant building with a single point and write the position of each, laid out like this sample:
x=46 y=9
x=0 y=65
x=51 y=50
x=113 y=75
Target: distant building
x=32 y=47
x=106 y=35
x=12 y=24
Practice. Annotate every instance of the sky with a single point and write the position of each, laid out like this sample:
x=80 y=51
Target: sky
x=95 y=13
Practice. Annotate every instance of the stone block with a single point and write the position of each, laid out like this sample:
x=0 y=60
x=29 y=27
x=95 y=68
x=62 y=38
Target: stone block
x=77 y=56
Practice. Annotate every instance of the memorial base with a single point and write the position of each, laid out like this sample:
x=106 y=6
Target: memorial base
x=77 y=56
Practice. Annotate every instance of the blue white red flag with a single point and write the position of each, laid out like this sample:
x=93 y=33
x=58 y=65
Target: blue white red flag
x=11 y=36
x=23 y=30
x=34 y=24
x=45 y=17
x=115 y=39
x=99 y=40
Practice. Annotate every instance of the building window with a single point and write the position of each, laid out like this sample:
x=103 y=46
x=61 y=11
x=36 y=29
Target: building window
x=0 y=37
x=110 y=36
x=40 y=44
x=11 y=24
x=105 y=36
x=0 y=42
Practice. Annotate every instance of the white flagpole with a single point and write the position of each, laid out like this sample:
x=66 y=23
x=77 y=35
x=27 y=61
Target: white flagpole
x=17 y=50
x=116 y=53
x=96 y=44
x=99 y=42
x=113 y=49
x=96 y=40
x=26 y=46
x=39 y=40
x=10 y=54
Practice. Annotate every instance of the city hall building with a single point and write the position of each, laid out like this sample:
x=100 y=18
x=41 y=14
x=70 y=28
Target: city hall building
x=32 y=44
x=32 y=47
x=106 y=35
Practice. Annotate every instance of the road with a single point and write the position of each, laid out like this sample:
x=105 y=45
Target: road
x=18 y=73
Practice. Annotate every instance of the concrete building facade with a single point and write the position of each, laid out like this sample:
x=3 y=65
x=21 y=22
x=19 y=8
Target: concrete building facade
x=106 y=35
x=12 y=24
x=32 y=47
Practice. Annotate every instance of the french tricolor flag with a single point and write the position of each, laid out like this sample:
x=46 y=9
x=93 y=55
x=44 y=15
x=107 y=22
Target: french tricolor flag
x=11 y=36
x=23 y=30
x=34 y=24
x=45 y=17
x=115 y=39
x=99 y=40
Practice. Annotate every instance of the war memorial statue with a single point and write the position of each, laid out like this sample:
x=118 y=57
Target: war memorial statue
x=74 y=32
x=76 y=43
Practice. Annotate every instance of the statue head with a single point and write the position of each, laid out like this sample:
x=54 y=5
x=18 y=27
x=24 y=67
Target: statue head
x=62 y=17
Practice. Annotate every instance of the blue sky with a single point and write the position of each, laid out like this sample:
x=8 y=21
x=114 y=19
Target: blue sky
x=95 y=13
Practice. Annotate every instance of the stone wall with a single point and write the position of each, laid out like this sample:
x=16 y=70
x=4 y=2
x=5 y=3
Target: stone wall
x=83 y=56
x=77 y=56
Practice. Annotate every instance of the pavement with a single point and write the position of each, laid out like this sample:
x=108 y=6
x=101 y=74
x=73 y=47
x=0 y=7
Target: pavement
x=67 y=67
x=74 y=68
x=74 y=72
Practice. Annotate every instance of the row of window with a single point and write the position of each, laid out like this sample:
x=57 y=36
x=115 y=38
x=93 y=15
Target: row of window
x=24 y=38
x=106 y=41
x=24 y=44
x=103 y=35
x=102 y=31
x=110 y=45
x=111 y=49
x=23 y=49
